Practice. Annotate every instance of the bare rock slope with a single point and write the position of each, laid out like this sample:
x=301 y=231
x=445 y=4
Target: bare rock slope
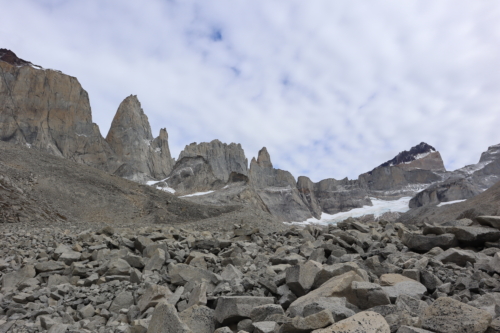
x=39 y=187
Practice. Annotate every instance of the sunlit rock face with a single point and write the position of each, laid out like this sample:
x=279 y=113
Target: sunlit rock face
x=49 y=111
x=139 y=155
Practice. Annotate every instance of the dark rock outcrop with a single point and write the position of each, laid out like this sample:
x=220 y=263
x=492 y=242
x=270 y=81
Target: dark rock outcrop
x=420 y=156
x=139 y=155
x=450 y=190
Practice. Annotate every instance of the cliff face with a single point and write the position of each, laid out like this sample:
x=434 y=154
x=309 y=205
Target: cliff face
x=50 y=111
x=223 y=158
x=139 y=156
x=407 y=173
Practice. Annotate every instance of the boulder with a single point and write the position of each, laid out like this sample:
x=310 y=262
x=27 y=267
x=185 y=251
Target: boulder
x=265 y=327
x=231 y=309
x=199 y=318
x=153 y=295
x=300 y=278
x=335 y=305
x=166 y=320
x=494 y=263
x=369 y=295
x=424 y=243
x=338 y=286
x=49 y=266
x=449 y=315
x=156 y=261
x=329 y=271
x=307 y=324
x=456 y=256
x=395 y=285
x=180 y=274
x=492 y=221
x=123 y=300
x=366 y=322
x=198 y=295
x=489 y=302
x=260 y=313
x=118 y=267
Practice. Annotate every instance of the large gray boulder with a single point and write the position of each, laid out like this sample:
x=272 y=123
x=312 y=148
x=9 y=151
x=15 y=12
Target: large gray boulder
x=338 y=286
x=180 y=274
x=492 y=221
x=456 y=256
x=231 y=309
x=300 y=278
x=369 y=295
x=336 y=306
x=166 y=320
x=366 y=322
x=200 y=319
x=424 y=243
x=449 y=315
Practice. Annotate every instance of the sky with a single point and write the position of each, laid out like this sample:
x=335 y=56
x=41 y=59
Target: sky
x=332 y=88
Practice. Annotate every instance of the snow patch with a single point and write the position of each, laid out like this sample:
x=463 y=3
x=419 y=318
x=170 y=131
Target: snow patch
x=157 y=150
x=195 y=194
x=166 y=189
x=379 y=207
x=450 y=202
x=152 y=182
x=28 y=145
x=470 y=169
x=161 y=188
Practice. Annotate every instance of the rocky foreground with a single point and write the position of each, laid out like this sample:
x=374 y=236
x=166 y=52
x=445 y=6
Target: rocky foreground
x=358 y=276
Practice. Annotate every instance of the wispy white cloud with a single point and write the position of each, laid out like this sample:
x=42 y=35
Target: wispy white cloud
x=332 y=88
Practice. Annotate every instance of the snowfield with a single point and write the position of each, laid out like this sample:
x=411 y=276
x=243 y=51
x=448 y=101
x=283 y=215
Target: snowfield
x=379 y=207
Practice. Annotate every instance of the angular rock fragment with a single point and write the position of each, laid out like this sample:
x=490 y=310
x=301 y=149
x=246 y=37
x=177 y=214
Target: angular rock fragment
x=448 y=315
x=232 y=309
x=166 y=320
x=366 y=322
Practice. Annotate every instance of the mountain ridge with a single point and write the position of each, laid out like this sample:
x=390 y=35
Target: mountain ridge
x=50 y=111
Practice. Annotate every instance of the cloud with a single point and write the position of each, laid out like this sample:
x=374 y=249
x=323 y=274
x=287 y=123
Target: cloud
x=332 y=89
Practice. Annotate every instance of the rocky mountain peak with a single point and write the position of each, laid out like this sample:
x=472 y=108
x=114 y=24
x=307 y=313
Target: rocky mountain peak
x=130 y=138
x=11 y=58
x=129 y=121
x=419 y=151
x=264 y=159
